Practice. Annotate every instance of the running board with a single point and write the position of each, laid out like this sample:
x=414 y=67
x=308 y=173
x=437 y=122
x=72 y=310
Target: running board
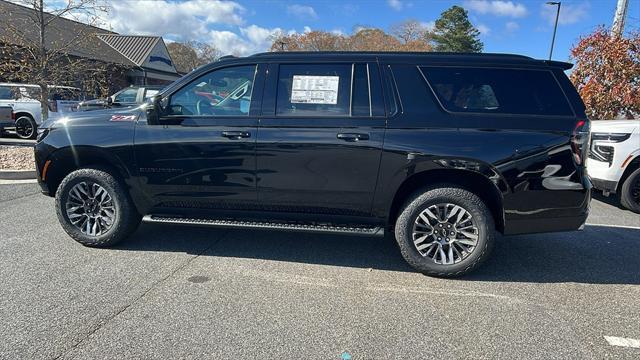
x=286 y=226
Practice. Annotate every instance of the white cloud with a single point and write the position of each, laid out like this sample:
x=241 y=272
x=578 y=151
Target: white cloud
x=484 y=29
x=306 y=29
x=302 y=11
x=511 y=26
x=187 y=20
x=396 y=5
x=497 y=8
x=569 y=14
x=429 y=25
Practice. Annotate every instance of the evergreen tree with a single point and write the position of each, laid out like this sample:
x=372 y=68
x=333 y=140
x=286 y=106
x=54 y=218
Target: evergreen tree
x=453 y=32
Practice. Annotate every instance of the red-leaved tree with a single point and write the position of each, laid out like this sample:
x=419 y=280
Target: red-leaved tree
x=607 y=74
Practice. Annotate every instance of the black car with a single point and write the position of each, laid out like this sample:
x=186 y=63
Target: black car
x=439 y=150
x=130 y=96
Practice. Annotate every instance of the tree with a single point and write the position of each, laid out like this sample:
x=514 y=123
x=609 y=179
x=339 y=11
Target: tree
x=365 y=39
x=454 y=32
x=410 y=31
x=191 y=54
x=33 y=45
x=607 y=74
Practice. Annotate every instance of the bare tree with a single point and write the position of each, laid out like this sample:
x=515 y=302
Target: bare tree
x=409 y=31
x=191 y=54
x=42 y=47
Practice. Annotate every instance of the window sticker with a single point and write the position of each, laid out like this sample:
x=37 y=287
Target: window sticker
x=315 y=89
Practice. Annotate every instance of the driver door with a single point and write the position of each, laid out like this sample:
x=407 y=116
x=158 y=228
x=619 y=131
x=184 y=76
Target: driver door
x=201 y=155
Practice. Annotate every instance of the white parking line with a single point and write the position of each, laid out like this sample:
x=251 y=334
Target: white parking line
x=624 y=342
x=615 y=226
x=11 y=182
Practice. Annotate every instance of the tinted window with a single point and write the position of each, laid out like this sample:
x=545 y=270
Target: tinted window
x=360 y=94
x=220 y=92
x=314 y=90
x=505 y=91
x=6 y=93
x=127 y=96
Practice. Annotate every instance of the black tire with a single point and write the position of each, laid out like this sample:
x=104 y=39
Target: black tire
x=26 y=127
x=126 y=218
x=445 y=194
x=630 y=192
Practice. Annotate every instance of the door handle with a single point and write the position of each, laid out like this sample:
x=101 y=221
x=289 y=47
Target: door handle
x=352 y=136
x=235 y=135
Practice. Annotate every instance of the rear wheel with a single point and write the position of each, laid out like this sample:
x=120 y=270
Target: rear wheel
x=26 y=127
x=630 y=192
x=94 y=209
x=445 y=231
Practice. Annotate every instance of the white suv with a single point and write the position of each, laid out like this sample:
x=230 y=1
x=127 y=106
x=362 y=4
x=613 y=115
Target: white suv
x=23 y=98
x=614 y=161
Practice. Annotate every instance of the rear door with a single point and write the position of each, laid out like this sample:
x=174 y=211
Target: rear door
x=320 y=138
x=201 y=155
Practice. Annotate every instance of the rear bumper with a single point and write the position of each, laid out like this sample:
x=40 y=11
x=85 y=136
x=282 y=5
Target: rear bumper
x=567 y=219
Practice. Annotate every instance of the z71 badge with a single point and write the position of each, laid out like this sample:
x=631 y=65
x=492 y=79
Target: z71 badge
x=123 y=117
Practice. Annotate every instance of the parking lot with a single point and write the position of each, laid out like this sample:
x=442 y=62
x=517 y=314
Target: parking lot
x=177 y=292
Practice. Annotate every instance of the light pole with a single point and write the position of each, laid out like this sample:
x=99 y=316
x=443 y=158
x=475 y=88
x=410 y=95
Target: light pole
x=555 y=27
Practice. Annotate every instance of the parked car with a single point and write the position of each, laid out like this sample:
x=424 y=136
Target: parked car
x=614 y=161
x=130 y=96
x=6 y=118
x=24 y=99
x=438 y=150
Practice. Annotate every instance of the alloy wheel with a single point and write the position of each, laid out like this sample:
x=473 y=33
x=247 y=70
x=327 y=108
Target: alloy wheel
x=90 y=208
x=24 y=128
x=446 y=233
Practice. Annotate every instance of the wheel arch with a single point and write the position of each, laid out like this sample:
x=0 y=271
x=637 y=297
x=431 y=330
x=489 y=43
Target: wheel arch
x=21 y=113
x=71 y=158
x=633 y=165
x=473 y=181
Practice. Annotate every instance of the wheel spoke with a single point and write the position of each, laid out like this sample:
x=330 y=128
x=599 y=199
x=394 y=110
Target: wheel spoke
x=90 y=208
x=452 y=230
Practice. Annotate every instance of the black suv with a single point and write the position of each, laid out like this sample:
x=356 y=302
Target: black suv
x=440 y=150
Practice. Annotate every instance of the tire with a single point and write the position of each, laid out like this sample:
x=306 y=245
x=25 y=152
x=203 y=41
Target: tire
x=109 y=230
x=26 y=127
x=630 y=192
x=439 y=201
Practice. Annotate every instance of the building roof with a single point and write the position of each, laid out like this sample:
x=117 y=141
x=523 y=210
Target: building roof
x=16 y=25
x=135 y=48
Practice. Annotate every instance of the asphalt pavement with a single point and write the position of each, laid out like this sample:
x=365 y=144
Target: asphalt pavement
x=179 y=292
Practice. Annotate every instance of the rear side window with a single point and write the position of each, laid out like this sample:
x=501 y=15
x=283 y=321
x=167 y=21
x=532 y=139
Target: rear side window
x=6 y=93
x=497 y=91
x=314 y=90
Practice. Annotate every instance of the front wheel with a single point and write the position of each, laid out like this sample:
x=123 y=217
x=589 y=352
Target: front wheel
x=94 y=208
x=445 y=231
x=630 y=192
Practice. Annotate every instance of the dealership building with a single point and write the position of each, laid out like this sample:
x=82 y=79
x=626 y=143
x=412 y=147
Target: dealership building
x=140 y=59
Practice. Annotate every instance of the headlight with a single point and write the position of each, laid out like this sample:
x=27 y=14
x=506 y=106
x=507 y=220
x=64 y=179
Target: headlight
x=610 y=137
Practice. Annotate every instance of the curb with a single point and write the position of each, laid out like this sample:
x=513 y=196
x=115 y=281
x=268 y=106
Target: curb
x=12 y=142
x=17 y=174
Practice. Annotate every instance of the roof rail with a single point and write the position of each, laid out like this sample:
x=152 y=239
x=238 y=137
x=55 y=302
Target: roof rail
x=427 y=53
x=227 y=57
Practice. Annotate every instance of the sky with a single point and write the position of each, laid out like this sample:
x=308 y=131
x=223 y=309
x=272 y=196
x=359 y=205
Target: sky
x=245 y=27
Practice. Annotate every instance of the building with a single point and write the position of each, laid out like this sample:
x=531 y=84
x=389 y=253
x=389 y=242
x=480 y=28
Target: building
x=139 y=59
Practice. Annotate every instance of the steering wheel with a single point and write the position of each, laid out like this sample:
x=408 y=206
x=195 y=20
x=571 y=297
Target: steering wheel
x=204 y=105
x=236 y=94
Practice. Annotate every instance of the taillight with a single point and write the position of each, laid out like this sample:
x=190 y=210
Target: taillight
x=580 y=141
x=13 y=115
